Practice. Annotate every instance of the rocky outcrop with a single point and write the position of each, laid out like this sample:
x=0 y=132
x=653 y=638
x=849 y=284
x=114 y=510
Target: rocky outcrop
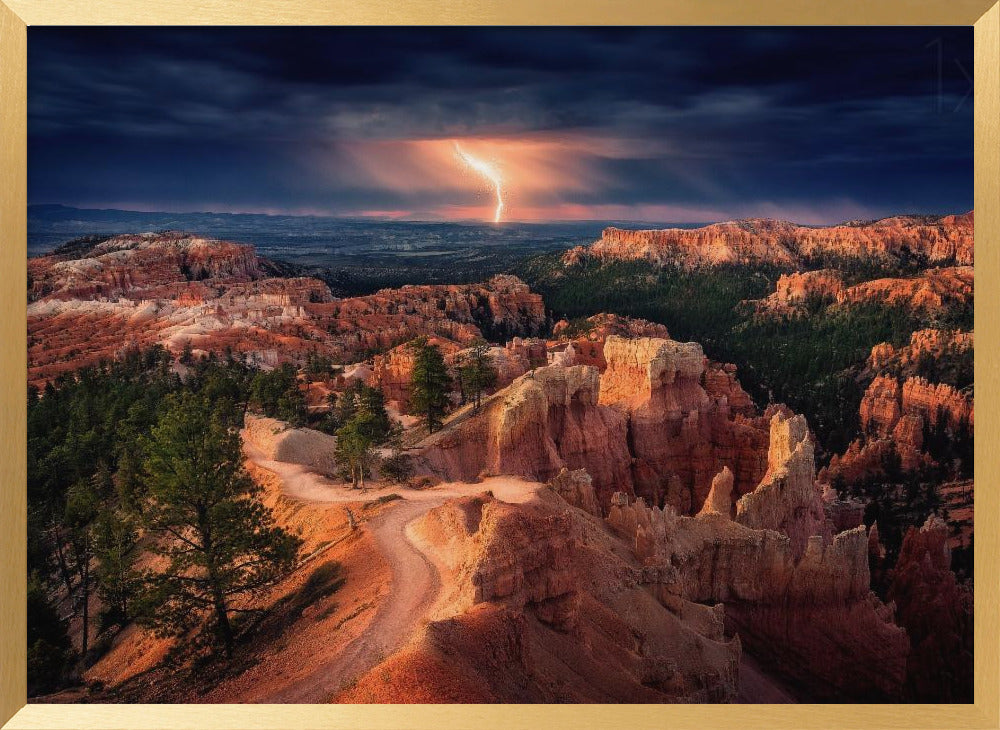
x=935 y=344
x=945 y=240
x=894 y=416
x=576 y=488
x=799 y=288
x=550 y=608
x=543 y=422
x=392 y=372
x=685 y=420
x=809 y=611
x=177 y=290
x=122 y=265
x=787 y=499
x=720 y=496
x=937 y=612
x=513 y=359
x=931 y=290
x=587 y=338
x=647 y=426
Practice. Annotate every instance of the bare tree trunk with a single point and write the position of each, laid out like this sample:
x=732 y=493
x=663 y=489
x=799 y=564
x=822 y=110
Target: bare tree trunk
x=218 y=599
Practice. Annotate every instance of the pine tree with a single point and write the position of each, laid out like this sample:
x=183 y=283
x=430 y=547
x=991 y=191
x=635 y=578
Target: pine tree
x=366 y=424
x=221 y=543
x=476 y=372
x=355 y=452
x=119 y=583
x=84 y=501
x=429 y=383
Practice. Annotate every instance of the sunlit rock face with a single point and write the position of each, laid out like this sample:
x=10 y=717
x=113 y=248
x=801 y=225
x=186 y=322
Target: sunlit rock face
x=945 y=240
x=91 y=302
x=660 y=422
x=895 y=414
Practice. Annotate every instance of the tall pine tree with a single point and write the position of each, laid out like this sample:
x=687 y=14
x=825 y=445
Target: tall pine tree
x=429 y=383
x=476 y=372
x=221 y=544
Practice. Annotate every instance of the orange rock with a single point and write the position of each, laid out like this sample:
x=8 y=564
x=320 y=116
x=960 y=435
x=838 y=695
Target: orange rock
x=175 y=289
x=930 y=290
x=948 y=240
x=646 y=426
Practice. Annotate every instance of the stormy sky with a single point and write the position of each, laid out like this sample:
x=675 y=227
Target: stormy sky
x=659 y=125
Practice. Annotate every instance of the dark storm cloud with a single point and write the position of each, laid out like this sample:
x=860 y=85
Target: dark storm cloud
x=729 y=120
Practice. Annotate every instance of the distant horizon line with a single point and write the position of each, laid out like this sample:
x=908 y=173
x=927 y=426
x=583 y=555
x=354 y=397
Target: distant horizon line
x=476 y=221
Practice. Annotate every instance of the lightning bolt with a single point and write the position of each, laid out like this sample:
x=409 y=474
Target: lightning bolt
x=487 y=171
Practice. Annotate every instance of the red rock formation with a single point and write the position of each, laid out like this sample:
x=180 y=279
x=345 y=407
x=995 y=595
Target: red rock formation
x=794 y=290
x=646 y=426
x=588 y=346
x=125 y=264
x=543 y=422
x=893 y=418
x=805 y=609
x=937 y=612
x=682 y=427
x=948 y=239
x=720 y=496
x=175 y=290
x=553 y=610
x=787 y=499
x=843 y=514
x=513 y=359
x=930 y=290
x=933 y=343
x=577 y=488
x=391 y=373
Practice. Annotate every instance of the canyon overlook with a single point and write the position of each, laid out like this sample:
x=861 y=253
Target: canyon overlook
x=701 y=560
x=617 y=521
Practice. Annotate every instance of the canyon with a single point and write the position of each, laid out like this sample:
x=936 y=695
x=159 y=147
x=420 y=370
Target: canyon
x=92 y=303
x=617 y=521
x=945 y=240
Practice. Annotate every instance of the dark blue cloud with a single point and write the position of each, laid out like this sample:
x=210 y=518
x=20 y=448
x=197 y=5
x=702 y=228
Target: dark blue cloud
x=240 y=117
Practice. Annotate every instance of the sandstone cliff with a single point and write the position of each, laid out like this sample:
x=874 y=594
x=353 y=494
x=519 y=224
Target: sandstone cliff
x=550 y=608
x=931 y=290
x=658 y=422
x=946 y=240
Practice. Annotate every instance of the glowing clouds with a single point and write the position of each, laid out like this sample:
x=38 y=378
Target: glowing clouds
x=487 y=171
x=431 y=179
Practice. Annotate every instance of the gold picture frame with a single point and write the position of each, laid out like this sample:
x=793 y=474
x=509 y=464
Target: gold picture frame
x=16 y=15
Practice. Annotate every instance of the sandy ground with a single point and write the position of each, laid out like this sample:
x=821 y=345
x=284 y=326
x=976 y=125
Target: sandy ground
x=416 y=582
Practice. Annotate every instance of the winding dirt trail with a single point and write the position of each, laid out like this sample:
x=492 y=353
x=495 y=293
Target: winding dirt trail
x=415 y=586
x=416 y=583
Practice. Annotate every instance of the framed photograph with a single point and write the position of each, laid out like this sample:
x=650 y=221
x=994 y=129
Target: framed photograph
x=403 y=366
